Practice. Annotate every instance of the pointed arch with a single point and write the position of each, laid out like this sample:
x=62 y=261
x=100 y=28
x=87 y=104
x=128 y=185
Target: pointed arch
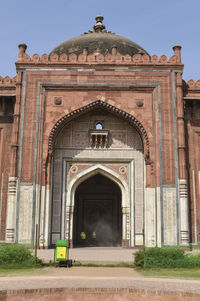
x=86 y=174
x=93 y=170
x=107 y=107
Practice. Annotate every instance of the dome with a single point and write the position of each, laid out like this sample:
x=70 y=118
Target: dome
x=99 y=41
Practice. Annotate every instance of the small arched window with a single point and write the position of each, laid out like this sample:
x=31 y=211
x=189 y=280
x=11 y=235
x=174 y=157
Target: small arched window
x=99 y=126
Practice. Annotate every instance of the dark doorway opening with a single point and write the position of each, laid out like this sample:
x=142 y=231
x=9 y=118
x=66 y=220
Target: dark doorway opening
x=97 y=213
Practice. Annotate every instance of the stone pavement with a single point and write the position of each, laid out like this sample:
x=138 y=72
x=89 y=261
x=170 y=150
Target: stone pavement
x=106 y=279
x=94 y=254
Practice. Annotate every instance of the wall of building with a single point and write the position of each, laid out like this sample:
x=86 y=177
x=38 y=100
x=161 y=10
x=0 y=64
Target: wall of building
x=5 y=155
x=192 y=122
x=146 y=90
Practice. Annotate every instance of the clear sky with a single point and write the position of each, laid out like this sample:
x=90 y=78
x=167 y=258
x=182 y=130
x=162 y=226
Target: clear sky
x=156 y=25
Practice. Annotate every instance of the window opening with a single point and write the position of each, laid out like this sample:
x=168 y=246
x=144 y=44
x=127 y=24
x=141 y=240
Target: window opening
x=99 y=126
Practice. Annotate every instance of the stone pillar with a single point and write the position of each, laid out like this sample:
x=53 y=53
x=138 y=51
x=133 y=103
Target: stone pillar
x=125 y=227
x=69 y=225
x=183 y=186
x=42 y=214
x=11 y=210
x=67 y=229
x=47 y=218
x=12 y=181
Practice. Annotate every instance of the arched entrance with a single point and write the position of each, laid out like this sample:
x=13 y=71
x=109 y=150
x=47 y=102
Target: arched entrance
x=77 y=158
x=97 y=213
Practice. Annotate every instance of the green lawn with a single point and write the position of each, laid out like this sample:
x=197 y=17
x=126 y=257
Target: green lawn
x=21 y=271
x=193 y=273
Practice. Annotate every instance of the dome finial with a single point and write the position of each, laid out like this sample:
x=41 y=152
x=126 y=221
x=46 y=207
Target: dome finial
x=98 y=27
x=99 y=18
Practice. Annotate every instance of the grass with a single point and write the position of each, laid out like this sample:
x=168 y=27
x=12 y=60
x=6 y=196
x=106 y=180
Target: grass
x=104 y=265
x=6 y=271
x=180 y=273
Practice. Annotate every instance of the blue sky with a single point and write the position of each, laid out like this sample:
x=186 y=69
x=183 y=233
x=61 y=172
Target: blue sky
x=154 y=24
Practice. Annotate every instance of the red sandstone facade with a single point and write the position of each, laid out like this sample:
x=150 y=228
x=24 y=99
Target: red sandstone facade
x=143 y=92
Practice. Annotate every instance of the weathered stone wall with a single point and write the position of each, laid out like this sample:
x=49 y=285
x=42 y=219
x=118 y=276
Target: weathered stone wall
x=5 y=155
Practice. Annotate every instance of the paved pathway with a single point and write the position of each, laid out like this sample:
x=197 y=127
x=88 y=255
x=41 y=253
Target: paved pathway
x=94 y=254
x=106 y=280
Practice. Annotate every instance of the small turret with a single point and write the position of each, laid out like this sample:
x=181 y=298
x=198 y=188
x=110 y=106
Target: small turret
x=22 y=50
x=177 y=52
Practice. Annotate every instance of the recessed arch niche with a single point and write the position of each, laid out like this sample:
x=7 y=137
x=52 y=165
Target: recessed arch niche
x=122 y=156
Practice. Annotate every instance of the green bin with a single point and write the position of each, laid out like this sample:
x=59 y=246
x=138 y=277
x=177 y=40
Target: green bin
x=61 y=250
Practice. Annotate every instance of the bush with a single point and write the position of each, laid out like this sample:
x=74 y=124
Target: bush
x=192 y=261
x=165 y=258
x=162 y=257
x=139 y=258
x=17 y=255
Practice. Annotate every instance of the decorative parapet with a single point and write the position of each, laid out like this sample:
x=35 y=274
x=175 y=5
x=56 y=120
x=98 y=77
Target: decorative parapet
x=7 y=81
x=192 y=85
x=118 y=59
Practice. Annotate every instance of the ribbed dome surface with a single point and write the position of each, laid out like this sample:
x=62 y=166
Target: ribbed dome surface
x=98 y=41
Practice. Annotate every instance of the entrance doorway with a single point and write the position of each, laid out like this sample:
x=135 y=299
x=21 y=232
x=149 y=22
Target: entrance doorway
x=97 y=213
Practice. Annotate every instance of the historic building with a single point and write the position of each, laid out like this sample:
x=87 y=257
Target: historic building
x=99 y=138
